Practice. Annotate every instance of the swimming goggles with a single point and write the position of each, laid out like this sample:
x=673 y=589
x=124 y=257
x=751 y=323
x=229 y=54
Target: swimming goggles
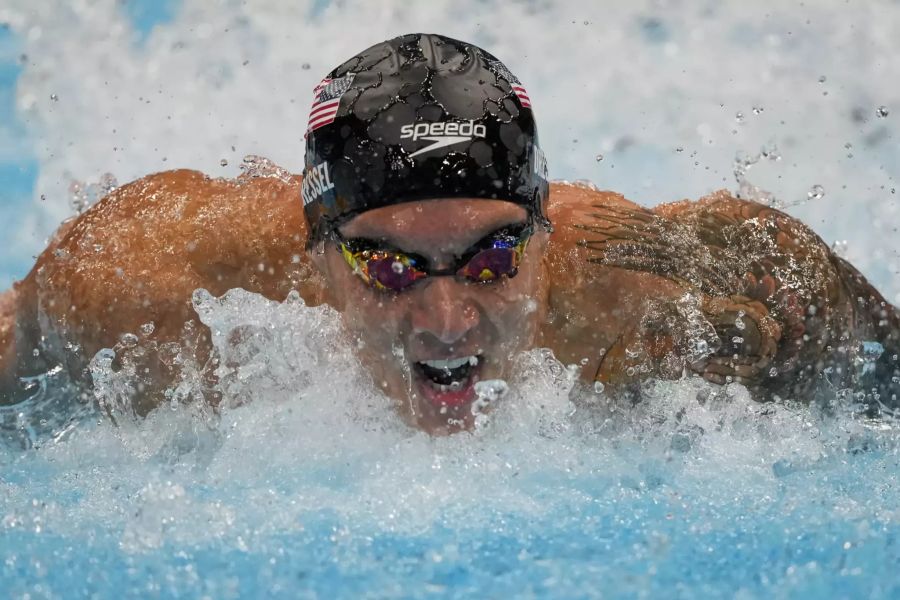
x=384 y=267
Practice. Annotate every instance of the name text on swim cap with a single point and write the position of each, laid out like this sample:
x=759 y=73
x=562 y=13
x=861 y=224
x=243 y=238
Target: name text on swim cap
x=316 y=182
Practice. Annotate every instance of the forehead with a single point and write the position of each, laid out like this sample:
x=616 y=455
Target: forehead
x=426 y=223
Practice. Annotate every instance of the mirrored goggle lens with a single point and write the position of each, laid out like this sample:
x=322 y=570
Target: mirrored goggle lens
x=393 y=272
x=491 y=264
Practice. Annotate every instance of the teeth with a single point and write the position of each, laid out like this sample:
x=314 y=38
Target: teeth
x=453 y=363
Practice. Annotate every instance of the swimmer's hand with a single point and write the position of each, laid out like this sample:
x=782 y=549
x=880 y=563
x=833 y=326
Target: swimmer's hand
x=748 y=340
x=734 y=339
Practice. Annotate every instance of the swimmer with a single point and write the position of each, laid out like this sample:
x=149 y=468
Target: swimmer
x=425 y=217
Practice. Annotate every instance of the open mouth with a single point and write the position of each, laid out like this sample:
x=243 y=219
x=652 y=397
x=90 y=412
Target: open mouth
x=450 y=382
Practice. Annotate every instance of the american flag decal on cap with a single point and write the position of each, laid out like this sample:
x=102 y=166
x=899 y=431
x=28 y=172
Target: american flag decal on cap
x=327 y=99
x=517 y=87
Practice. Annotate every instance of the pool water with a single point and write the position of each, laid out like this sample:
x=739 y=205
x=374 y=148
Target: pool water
x=306 y=484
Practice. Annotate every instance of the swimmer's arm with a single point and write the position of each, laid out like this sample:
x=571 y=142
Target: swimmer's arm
x=7 y=345
x=799 y=304
x=137 y=256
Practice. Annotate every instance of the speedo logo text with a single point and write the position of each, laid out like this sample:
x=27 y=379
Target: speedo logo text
x=442 y=134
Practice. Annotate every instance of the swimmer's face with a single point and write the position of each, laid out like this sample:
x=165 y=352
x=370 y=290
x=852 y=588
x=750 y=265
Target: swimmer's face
x=428 y=344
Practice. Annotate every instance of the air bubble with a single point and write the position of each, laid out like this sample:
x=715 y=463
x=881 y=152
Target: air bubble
x=223 y=162
x=881 y=112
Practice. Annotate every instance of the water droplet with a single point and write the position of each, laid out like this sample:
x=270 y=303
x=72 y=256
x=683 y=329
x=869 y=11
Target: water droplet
x=739 y=117
x=822 y=79
x=54 y=97
x=599 y=157
x=491 y=389
x=882 y=112
x=840 y=248
x=739 y=323
x=397 y=267
x=305 y=66
x=816 y=192
x=260 y=166
x=108 y=183
x=679 y=149
x=147 y=328
x=598 y=387
x=770 y=151
x=223 y=162
x=757 y=110
x=129 y=340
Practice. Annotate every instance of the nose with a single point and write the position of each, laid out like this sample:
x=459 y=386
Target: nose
x=445 y=311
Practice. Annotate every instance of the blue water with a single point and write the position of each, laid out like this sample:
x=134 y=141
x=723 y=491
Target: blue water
x=583 y=551
x=306 y=484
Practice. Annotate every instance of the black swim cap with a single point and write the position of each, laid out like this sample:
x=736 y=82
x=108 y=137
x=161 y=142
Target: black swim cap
x=417 y=117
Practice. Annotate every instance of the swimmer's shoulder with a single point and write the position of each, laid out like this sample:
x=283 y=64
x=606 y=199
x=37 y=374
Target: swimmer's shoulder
x=573 y=204
x=139 y=253
x=593 y=300
x=183 y=220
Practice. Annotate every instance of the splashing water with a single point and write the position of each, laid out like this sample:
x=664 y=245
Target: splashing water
x=305 y=467
x=260 y=166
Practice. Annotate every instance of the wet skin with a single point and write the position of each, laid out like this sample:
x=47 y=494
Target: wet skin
x=624 y=291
